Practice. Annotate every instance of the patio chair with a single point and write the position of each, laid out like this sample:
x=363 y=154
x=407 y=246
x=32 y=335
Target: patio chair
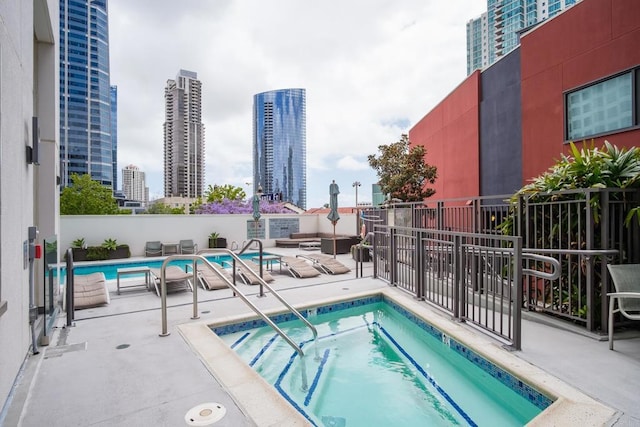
x=298 y=267
x=326 y=264
x=248 y=275
x=210 y=280
x=175 y=277
x=188 y=247
x=626 y=280
x=153 y=248
x=90 y=290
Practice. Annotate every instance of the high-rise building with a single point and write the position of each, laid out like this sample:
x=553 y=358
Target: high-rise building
x=496 y=32
x=183 y=137
x=114 y=135
x=133 y=184
x=280 y=145
x=86 y=145
x=477 y=43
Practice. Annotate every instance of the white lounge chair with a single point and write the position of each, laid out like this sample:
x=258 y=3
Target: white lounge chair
x=626 y=280
x=298 y=267
x=211 y=280
x=248 y=275
x=326 y=264
x=90 y=290
x=175 y=277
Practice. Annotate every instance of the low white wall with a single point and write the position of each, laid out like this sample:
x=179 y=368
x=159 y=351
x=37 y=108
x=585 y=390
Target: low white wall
x=135 y=230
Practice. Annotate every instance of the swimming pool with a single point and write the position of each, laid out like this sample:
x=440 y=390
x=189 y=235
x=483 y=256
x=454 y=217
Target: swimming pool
x=376 y=363
x=110 y=268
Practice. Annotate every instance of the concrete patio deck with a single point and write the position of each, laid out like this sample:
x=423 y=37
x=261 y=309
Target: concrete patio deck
x=112 y=369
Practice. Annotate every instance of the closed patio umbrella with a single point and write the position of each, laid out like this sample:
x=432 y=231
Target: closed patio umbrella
x=333 y=216
x=256 y=208
x=255 y=204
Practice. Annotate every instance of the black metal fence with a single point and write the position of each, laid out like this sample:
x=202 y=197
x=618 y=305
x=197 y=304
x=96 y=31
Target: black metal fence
x=583 y=230
x=470 y=276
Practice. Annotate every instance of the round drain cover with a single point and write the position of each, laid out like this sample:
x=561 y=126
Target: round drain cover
x=205 y=414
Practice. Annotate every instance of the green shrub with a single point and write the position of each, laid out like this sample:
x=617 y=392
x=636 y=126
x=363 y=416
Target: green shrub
x=97 y=253
x=78 y=243
x=110 y=244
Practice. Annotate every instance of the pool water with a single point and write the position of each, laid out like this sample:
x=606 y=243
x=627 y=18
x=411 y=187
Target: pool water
x=110 y=269
x=372 y=366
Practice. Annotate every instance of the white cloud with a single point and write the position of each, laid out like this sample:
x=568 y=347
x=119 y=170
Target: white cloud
x=371 y=70
x=349 y=163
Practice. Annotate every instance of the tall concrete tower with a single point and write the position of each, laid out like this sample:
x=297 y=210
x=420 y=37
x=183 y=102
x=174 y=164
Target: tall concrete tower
x=183 y=137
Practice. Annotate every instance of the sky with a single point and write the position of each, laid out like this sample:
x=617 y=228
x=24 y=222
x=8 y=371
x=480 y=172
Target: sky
x=371 y=69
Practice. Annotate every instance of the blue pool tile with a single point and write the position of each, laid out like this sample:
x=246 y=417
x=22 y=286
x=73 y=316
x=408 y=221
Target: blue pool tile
x=532 y=395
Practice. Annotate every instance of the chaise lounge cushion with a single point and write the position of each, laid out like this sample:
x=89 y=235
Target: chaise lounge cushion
x=90 y=290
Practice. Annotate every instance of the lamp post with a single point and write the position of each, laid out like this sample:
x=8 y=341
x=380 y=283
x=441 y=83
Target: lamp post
x=357 y=184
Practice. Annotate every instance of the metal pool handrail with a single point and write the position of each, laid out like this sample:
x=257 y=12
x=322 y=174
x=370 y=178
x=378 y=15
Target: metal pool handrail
x=527 y=253
x=196 y=258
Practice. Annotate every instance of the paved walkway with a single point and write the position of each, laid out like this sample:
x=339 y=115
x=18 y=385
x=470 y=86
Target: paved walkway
x=112 y=369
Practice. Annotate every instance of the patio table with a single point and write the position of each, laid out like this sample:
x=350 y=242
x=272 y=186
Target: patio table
x=170 y=248
x=132 y=271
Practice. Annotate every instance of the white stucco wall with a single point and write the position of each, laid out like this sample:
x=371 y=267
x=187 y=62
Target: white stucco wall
x=135 y=230
x=20 y=58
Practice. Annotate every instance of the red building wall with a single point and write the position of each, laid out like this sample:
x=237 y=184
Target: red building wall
x=592 y=40
x=450 y=134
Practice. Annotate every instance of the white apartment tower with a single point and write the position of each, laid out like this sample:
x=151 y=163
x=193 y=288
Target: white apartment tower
x=497 y=31
x=183 y=137
x=133 y=184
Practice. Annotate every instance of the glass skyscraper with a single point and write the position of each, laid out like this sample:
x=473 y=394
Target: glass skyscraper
x=114 y=134
x=496 y=32
x=280 y=145
x=86 y=144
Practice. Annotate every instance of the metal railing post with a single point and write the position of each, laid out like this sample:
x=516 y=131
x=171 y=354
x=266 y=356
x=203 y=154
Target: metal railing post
x=375 y=255
x=163 y=300
x=605 y=243
x=419 y=265
x=517 y=300
x=459 y=300
x=70 y=288
x=392 y=256
x=591 y=294
x=195 y=290
x=476 y=216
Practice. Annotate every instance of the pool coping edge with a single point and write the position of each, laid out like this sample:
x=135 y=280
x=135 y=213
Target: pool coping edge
x=260 y=401
x=571 y=406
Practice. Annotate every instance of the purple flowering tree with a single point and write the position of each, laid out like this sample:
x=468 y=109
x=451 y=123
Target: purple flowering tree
x=227 y=206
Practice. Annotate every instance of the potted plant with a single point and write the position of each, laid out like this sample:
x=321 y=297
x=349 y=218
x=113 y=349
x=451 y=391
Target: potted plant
x=109 y=249
x=110 y=244
x=79 y=249
x=114 y=250
x=215 y=241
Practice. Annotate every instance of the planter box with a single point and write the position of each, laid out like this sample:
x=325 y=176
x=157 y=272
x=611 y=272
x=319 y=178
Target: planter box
x=97 y=253
x=122 y=251
x=79 y=254
x=220 y=242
